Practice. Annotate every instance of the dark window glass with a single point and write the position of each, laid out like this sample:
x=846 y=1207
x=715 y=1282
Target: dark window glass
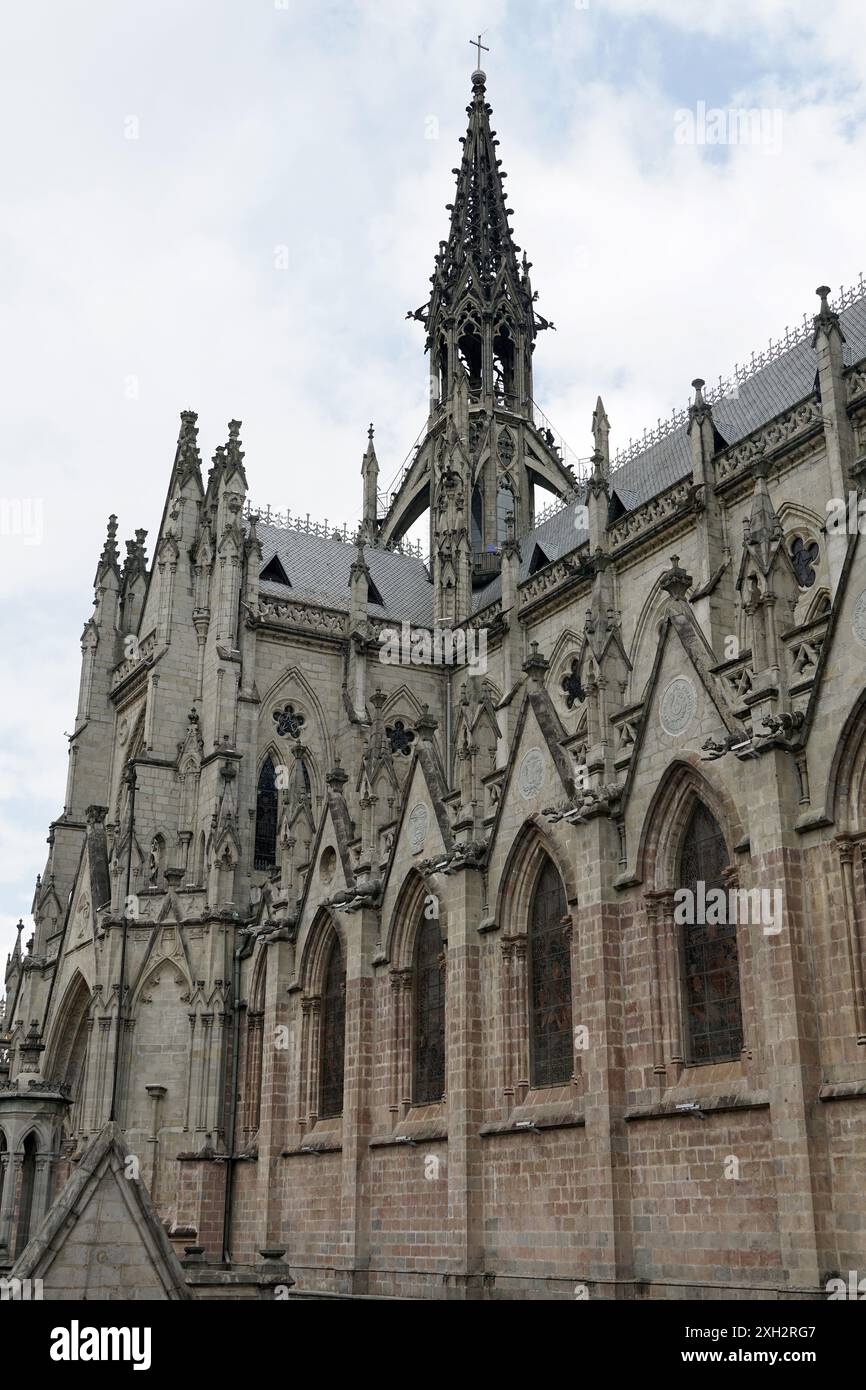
x=333 y=1035
x=429 y=1040
x=711 y=975
x=552 y=1043
x=477 y=519
x=265 y=853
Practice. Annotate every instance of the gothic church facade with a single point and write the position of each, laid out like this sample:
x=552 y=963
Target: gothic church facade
x=377 y=965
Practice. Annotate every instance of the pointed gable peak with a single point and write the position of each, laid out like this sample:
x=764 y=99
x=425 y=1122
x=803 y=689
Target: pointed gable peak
x=100 y=1190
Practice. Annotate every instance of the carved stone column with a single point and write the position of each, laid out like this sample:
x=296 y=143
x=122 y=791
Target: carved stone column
x=655 y=949
x=406 y=1041
x=12 y=1163
x=41 y=1190
x=672 y=997
x=746 y=964
x=521 y=1019
x=506 y=1005
x=845 y=849
x=204 y=1075
x=304 y=1061
x=253 y=1070
x=313 y=1055
x=85 y=1093
x=7 y=1202
x=186 y=1114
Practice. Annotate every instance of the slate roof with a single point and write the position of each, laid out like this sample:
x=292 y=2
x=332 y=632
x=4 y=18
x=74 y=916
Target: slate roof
x=761 y=397
x=318 y=569
x=556 y=536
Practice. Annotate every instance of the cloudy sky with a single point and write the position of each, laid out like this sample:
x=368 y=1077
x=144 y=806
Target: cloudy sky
x=229 y=205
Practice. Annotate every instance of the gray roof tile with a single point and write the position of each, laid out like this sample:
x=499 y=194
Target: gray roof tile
x=319 y=569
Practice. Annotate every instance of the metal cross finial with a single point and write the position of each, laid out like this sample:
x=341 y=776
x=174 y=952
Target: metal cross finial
x=476 y=43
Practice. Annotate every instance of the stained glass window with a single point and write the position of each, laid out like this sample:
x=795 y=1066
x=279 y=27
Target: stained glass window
x=265 y=852
x=428 y=1065
x=552 y=1043
x=711 y=974
x=333 y=1035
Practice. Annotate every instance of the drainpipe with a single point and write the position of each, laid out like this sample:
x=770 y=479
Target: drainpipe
x=130 y=782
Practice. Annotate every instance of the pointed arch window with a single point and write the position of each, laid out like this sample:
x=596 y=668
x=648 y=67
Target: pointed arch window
x=477 y=519
x=265 y=852
x=503 y=365
x=469 y=355
x=551 y=1035
x=428 y=1045
x=440 y=381
x=333 y=1042
x=505 y=507
x=711 y=972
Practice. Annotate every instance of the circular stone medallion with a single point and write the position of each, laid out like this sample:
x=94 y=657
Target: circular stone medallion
x=858 y=619
x=678 y=706
x=418 y=822
x=530 y=774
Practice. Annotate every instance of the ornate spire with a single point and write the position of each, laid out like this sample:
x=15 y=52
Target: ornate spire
x=136 y=557
x=676 y=581
x=762 y=529
x=370 y=475
x=700 y=407
x=234 y=454
x=110 y=557
x=187 y=460
x=480 y=244
x=600 y=435
x=217 y=468
x=826 y=318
